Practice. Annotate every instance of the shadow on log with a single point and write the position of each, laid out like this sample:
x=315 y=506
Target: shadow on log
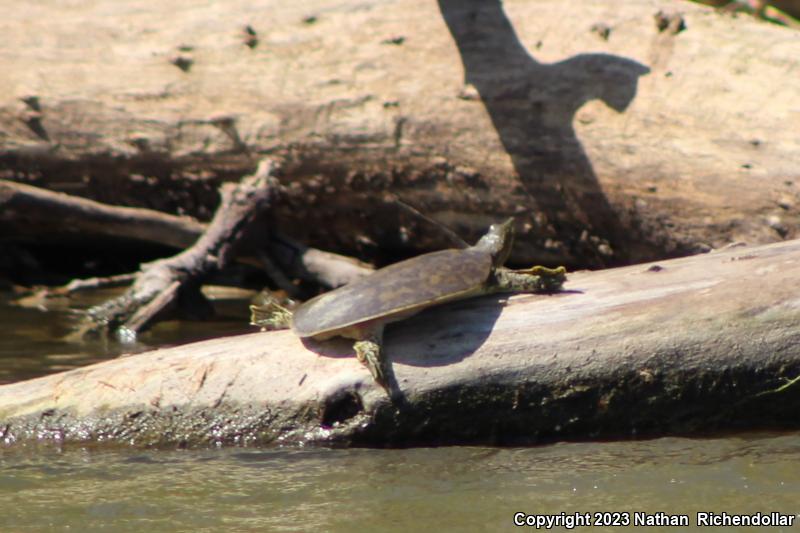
x=532 y=106
x=688 y=345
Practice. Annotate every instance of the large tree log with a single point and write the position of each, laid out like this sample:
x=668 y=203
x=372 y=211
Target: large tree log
x=695 y=344
x=594 y=124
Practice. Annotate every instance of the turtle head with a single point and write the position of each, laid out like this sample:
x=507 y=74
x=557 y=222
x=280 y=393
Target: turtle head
x=498 y=241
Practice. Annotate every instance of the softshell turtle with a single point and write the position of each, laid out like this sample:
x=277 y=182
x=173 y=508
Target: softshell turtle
x=361 y=309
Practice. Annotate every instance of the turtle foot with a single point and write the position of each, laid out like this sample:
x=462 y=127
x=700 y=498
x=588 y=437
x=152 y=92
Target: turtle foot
x=368 y=353
x=534 y=279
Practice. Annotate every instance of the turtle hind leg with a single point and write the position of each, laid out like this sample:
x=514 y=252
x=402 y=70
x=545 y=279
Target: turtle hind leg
x=370 y=353
x=534 y=279
x=270 y=315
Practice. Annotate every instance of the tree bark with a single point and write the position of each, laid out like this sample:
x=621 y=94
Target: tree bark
x=610 y=146
x=697 y=344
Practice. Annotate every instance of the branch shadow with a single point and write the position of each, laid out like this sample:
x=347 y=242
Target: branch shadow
x=532 y=106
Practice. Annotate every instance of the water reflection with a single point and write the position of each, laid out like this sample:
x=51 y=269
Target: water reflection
x=33 y=341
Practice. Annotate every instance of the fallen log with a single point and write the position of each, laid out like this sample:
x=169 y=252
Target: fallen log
x=696 y=344
x=36 y=213
x=595 y=125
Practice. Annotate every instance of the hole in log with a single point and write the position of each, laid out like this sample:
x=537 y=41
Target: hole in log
x=341 y=407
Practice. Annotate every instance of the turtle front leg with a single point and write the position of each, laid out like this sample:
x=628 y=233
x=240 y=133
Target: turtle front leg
x=369 y=352
x=534 y=279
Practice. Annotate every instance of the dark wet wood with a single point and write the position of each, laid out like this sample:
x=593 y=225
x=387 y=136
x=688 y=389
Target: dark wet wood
x=45 y=216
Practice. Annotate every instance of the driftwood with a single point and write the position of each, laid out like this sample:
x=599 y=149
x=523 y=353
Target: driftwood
x=45 y=216
x=697 y=344
x=613 y=135
x=42 y=215
x=159 y=284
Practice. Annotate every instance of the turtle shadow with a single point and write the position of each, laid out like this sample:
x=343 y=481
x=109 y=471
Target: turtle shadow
x=450 y=333
x=446 y=334
x=438 y=336
x=336 y=347
x=532 y=106
x=432 y=332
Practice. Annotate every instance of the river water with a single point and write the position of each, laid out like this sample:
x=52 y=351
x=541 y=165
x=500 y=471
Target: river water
x=46 y=488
